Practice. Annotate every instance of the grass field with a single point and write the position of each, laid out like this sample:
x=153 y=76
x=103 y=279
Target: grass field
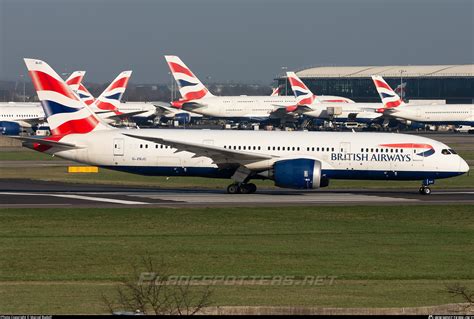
x=62 y=260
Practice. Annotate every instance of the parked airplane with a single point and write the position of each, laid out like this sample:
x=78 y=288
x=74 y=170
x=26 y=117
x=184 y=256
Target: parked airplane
x=443 y=114
x=311 y=105
x=169 y=113
x=197 y=98
x=109 y=104
x=16 y=117
x=302 y=160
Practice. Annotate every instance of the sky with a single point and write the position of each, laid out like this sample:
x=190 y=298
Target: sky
x=230 y=40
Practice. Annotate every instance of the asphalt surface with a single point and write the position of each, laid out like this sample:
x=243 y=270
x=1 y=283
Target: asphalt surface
x=22 y=193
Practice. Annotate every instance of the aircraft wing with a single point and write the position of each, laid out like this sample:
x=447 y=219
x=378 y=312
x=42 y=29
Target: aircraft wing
x=162 y=109
x=218 y=154
x=190 y=106
x=33 y=140
x=118 y=117
x=33 y=121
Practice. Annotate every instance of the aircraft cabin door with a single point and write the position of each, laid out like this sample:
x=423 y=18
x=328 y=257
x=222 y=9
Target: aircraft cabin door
x=118 y=149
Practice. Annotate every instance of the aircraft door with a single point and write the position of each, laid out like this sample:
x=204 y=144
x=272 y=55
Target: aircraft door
x=118 y=150
x=118 y=147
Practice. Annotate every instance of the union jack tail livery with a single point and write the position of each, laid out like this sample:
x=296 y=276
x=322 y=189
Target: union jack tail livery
x=109 y=100
x=65 y=112
x=276 y=91
x=75 y=83
x=389 y=98
x=302 y=94
x=75 y=79
x=189 y=85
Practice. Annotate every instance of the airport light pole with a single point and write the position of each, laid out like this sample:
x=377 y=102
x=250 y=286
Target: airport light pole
x=283 y=69
x=22 y=76
x=171 y=87
x=401 y=83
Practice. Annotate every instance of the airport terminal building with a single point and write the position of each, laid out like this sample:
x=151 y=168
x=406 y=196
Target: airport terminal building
x=453 y=83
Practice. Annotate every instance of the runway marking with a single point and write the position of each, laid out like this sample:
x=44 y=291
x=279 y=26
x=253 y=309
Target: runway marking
x=89 y=198
x=306 y=198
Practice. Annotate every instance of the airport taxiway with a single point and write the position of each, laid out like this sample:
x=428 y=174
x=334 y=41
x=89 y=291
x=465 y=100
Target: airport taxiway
x=27 y=193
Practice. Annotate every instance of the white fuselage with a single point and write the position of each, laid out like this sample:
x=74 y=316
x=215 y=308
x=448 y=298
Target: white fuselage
x=364 y=112
x=22 y=113
x=342 y=155
x=460 y=114
x=245 y=107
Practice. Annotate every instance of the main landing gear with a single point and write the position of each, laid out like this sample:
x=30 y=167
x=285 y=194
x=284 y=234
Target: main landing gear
x=241 y=188
x=424 y=189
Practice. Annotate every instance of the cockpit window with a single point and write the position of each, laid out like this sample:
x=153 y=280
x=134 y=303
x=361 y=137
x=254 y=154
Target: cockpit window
x=445 y=152
x=452 y=151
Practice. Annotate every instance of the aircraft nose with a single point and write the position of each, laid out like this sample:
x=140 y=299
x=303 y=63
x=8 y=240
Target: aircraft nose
x=463 y=166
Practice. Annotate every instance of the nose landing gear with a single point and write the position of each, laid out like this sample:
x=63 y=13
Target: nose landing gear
x=241 y=188
x=424 y=189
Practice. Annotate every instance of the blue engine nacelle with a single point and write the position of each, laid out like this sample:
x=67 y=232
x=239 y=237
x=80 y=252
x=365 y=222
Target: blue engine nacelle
x=182 y=118
x=300 y=173
x=9 y=128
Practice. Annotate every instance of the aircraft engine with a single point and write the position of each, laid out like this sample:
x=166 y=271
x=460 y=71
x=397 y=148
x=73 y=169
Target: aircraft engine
x=9 y=128
x=299 y=173
x=182 y=118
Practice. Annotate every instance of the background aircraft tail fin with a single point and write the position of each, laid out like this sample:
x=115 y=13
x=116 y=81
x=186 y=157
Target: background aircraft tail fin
x=65 y=112
x=302 y=94
x=388 y=96
x=189 y=85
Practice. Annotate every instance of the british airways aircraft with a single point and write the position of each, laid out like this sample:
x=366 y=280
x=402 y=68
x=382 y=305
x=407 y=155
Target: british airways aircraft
x=16 y=117
x=197 y=98
x=301 y=160
x=311 y=105
x=444 y=114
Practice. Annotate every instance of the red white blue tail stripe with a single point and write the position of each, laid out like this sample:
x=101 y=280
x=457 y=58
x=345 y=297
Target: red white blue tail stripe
x=189 y=85
x=276 y=91
x=302 y=94
x=389 y=98
x=65 y=112
x=109 y=100
x=75 y=79
x=75 y=83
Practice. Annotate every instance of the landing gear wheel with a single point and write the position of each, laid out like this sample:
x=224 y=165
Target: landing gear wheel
x=248 y=188
x=424 y=190
x=252 y=187
x=233 y=189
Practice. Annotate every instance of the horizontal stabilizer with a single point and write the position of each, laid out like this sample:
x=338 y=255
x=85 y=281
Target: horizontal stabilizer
x=33 y=140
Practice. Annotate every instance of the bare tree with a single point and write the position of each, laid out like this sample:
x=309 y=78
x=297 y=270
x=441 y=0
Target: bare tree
x=458 y=290
x=149 y=291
